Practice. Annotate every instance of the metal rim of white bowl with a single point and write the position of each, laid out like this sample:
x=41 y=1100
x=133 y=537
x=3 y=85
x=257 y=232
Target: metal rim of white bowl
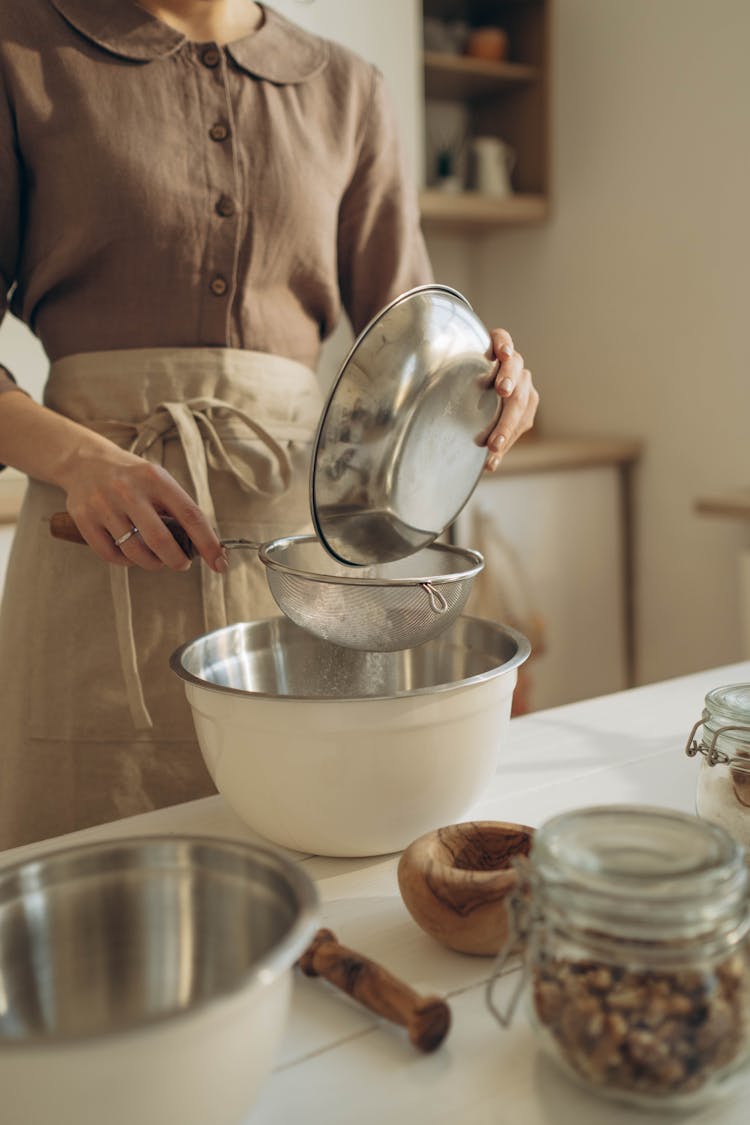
x=521 y=654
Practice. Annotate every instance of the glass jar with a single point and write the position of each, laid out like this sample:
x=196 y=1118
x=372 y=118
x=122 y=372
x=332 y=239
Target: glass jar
x=636 y=924
x=722 y=739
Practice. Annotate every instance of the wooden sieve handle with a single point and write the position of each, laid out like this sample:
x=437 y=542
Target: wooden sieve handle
x=63 y=526
x=426 y=1018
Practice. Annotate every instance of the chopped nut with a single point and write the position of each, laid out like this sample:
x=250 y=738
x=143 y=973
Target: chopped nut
x=652 y=1033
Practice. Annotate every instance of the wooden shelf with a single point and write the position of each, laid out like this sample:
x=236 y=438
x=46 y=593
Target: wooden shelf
x=545 y=455
x=472 y=213
x=455 y=77
x=733 y=504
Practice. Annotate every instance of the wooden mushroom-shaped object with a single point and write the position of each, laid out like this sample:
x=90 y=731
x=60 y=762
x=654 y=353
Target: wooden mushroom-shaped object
x=455 y=882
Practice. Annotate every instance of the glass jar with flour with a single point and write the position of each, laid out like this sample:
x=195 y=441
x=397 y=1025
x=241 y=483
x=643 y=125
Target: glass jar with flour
x=721 y=738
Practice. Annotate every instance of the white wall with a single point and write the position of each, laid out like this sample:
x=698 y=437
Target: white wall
x=387 y=33
x=23 y=355
x=631 y=306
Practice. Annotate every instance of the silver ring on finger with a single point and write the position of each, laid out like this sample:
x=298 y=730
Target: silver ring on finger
x=128 y=535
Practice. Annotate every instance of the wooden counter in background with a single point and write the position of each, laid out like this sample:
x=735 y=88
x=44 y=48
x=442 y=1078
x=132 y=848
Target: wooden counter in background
x=540 y=454
x=531 y=455
x=570 y=500
x=544 y=455
x=736 y=504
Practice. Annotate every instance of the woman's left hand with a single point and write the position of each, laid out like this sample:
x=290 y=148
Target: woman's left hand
x=518 y=395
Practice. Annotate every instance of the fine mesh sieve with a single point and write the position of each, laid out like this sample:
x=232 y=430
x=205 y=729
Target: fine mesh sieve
x=381 y=608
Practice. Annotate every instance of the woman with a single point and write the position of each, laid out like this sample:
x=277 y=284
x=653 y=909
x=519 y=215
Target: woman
x=190 y=190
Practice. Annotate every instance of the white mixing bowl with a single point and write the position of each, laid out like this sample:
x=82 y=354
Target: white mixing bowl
x=338 y=752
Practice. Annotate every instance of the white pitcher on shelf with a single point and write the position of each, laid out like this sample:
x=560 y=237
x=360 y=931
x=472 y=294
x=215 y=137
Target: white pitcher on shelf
x=494 y=161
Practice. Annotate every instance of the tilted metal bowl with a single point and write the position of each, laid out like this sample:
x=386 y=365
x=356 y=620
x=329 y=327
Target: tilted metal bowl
x=339 y=752
x=146 y=980
x=400 y=443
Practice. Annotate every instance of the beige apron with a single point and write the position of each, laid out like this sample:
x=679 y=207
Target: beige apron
x=95 y=726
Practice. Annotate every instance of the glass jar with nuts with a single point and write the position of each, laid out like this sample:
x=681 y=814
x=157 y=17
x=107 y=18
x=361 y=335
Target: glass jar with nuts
x=721 y=738
x=636 y=923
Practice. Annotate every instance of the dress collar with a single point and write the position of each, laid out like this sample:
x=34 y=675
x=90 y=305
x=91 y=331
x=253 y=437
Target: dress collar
x=278 y=51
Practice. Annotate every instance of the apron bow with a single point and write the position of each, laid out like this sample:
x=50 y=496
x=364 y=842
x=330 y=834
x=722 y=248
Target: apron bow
x=202 y=425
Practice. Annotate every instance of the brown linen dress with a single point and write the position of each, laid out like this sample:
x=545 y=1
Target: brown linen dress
x=181 y=225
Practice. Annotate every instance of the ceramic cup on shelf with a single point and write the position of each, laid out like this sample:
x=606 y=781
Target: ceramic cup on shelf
x=493 y=161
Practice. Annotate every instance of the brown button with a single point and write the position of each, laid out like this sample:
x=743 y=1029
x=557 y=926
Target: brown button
x=225 y=207
x=218 y=285
x=218 y=132
x=211 y=57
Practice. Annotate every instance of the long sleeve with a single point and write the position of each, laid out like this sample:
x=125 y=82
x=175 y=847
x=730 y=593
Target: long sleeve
x=380 y=246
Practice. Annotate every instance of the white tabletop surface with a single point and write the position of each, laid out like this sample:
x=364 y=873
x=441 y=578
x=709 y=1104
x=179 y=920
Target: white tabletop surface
x=339 y=1065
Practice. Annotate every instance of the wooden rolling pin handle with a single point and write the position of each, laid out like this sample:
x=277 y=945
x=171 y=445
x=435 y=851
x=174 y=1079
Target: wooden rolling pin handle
x=426 y=1018
x=63 y=526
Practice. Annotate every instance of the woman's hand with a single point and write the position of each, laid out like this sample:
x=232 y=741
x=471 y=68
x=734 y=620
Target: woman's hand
x=111 y=492
x=519 y=398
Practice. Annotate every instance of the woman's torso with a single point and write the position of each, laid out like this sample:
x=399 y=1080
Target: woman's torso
x=178 y=194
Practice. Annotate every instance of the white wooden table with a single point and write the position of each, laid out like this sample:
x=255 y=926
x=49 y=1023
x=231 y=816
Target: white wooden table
x=340 y=1066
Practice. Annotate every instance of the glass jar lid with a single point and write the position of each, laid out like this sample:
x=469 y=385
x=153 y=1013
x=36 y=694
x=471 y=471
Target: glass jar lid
x=725 y=721
x=637 y=873
x=729 y=704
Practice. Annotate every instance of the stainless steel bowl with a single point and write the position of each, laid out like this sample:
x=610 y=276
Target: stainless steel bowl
x=274 y=659
x=156 y=967
x=339 y=752
x=400 y=444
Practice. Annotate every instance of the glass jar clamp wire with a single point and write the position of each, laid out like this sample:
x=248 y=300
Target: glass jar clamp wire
x=635 y=922
x=721 y=739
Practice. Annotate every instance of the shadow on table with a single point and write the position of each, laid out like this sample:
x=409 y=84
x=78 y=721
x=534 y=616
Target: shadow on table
x=562 y=1102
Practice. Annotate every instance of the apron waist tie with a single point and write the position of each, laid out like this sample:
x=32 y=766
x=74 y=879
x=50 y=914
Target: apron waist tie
x=202 y=425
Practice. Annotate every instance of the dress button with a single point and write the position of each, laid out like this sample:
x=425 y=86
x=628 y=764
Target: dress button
x=218 y=285
x=225 y=207
x=211 y=56
x=218 y=132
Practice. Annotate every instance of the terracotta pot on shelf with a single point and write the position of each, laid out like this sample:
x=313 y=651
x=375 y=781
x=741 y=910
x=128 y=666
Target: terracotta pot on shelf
x=488 y=43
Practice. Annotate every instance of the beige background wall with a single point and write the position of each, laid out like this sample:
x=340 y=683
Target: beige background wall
x=632 y=304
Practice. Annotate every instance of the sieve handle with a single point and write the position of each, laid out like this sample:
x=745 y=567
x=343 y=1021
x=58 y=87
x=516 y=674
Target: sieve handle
x=426 y=1018
x=63 y=526
x=437 y=601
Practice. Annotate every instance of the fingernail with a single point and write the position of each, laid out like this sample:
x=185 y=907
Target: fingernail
x=498 y=442
x=492 y=463
x=221 y=565
x=505 y=385
x=506 y=350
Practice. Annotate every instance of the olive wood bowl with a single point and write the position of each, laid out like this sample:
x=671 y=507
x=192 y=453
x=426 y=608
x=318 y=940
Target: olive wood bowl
x=455 y=882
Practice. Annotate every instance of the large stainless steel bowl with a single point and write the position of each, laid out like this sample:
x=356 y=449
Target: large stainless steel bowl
x=338 y=752
x=400 y=443
x=146 y=980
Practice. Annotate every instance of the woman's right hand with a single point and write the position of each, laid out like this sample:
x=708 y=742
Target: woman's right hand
x=110 y=492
